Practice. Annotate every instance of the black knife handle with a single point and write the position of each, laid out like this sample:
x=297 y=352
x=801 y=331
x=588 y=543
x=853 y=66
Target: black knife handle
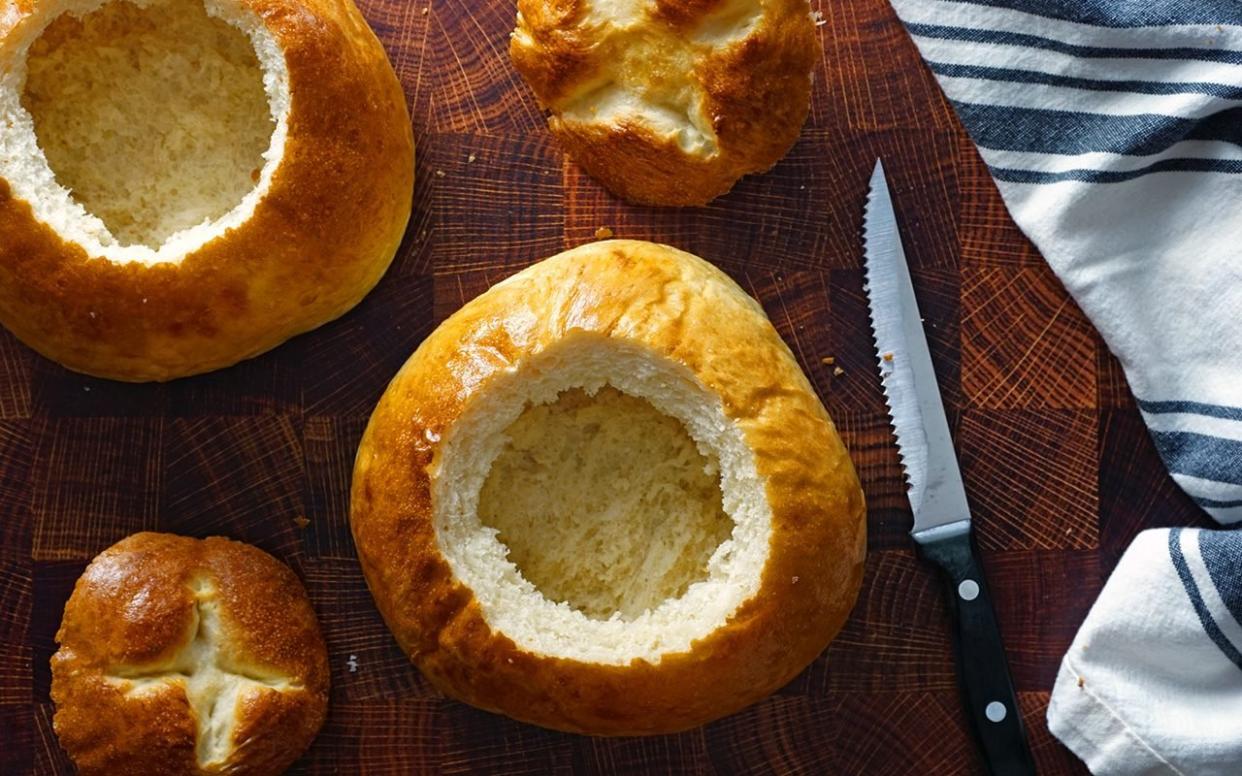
x=987 y=690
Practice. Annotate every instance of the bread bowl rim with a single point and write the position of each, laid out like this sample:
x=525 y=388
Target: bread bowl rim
x=505 y=595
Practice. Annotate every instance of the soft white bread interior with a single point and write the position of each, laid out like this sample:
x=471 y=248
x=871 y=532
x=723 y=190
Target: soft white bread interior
x=602 y=497
x=188 y=183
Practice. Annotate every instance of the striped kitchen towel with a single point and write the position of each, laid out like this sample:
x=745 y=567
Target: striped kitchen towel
x=1113 y=129
x=1153 y=681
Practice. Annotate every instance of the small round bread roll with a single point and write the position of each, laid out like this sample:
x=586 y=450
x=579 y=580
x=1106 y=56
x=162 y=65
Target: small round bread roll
x=669 y=102
x=188 y=183
x=188 y=656
x=603 y=498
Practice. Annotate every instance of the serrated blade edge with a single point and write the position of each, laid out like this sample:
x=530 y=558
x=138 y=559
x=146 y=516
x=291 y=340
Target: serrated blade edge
x=915 y=409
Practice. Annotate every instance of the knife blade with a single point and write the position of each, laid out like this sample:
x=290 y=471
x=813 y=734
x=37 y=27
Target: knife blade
x=942 y=525
x=937 y=495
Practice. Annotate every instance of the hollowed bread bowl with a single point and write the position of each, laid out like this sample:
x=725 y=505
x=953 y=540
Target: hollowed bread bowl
x=188 y=183
x=602 y=497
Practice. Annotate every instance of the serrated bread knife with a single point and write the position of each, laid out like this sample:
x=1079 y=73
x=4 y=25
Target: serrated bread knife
x=937 y=496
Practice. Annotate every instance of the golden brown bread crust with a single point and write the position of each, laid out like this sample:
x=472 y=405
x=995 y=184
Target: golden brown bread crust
x=756 y=90
x=135 y=606
x=687 y=310
x=315 y=245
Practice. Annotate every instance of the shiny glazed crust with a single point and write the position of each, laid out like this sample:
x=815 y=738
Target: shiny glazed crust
x=315 y=245
x=756 y=93
x=134 y=605
x=688 y=311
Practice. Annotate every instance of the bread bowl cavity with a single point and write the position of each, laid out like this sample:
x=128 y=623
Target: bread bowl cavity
x=622 y=612
x=141 y=129
x=605 y=481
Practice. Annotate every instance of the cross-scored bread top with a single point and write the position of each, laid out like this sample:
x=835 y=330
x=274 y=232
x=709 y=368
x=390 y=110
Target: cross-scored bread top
x=669 y=101
x=187 y=656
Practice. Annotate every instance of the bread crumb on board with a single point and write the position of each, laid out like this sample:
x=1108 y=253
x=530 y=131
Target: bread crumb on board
x=439 y=173
x=301 y=521
x=837 y=372
x=603 y=233
x=828 y=360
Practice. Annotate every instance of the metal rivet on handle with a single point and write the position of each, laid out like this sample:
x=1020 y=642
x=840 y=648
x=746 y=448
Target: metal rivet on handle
x=968 y=590
x=995 y=711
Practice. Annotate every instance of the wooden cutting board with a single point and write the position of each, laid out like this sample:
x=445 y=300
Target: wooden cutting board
x=1058 y=465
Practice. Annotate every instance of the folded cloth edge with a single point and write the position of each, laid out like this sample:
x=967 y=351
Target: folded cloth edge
x=1097 y=733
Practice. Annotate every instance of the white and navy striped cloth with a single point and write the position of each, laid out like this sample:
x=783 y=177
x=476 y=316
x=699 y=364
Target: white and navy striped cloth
x=1113 y=129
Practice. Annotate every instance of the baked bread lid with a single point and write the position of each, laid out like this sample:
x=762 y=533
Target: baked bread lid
x=188 y=183
x=187 y=656
x=602 y=497
x=669 y=102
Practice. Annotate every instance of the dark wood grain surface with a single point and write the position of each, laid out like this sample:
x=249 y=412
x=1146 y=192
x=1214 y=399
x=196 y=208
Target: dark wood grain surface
x=1059 y=467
